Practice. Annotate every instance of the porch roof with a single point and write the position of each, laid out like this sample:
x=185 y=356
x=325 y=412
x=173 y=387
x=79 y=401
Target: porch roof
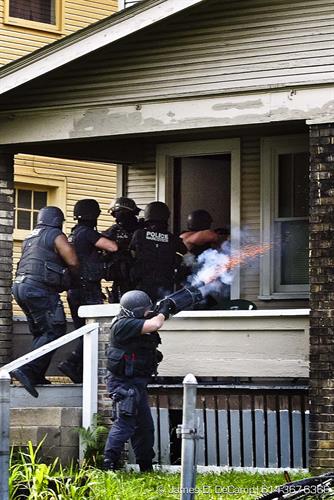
x=83 y=42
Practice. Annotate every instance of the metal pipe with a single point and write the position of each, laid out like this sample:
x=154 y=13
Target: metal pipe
x=189 y=436
x=4 y=436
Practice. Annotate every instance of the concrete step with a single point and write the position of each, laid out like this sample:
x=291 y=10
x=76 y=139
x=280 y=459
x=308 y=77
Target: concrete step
x=53 y=395
x=54 y=417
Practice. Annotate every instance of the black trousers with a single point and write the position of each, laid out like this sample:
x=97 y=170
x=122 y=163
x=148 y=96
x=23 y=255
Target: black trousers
x=138 y=427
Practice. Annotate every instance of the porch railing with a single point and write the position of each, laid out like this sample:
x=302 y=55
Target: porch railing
x=89 y=332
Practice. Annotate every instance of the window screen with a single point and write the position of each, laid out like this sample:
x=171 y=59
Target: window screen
x=42 y=11
x=291 y=223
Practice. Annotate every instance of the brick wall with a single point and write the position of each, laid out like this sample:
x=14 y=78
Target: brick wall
x=322 y=297
x=6 y=251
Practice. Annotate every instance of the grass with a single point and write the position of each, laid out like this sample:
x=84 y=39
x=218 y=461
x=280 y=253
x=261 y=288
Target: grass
x=33 y=480
x=161 y=486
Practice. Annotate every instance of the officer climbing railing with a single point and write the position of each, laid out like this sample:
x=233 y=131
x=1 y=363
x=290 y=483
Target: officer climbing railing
x=89 y=333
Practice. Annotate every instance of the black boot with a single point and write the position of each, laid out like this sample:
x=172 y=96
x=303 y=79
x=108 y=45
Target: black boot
x=110 y=465
x=25 y=381
x=71 y=370
x=145 y=465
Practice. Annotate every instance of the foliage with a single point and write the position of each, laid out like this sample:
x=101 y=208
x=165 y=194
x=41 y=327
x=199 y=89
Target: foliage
x=93 y=440
x=32 y=480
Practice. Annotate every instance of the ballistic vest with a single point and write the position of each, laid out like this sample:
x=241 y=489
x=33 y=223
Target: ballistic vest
x=137 y=358
x=92 y=265
x=39 y=259
x=155 y=259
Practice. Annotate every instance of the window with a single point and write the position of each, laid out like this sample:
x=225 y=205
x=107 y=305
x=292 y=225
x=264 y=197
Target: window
x=38 y=14
x=27 y=203
x=285 y=205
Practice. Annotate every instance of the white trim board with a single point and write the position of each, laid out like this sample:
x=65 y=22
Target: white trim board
x=61 y=123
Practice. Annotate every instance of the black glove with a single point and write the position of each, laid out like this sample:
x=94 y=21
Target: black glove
x=165 y=307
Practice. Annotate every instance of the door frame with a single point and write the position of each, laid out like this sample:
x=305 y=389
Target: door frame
x=165 y=155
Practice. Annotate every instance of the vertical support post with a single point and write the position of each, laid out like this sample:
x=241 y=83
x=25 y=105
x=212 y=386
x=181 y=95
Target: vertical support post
x=321 y=297
x=189 y=436
x=90 y=379
x=4 y=437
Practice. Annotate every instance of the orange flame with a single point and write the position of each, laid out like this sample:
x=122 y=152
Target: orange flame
x=246 y=253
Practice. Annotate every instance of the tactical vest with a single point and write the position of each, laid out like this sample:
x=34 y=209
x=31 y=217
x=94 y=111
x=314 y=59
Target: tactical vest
x=42 y=263
x=139 y=358
x=155 y=258
x=92 y=266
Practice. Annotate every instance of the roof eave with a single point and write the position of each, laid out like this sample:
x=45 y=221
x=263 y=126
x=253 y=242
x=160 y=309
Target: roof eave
x=89 y=39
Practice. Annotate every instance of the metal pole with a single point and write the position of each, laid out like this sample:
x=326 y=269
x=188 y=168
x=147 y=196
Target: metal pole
x=189 y=436
x=4 y=437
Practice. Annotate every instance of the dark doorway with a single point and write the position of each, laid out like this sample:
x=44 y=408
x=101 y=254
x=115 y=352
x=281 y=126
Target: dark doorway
x=202 y=182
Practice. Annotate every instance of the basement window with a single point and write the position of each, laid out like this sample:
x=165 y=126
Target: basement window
x=45 y=15
x=285 y=226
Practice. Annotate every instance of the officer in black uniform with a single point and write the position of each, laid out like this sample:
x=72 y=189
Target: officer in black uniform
x=154 y=250
x=88 y=244
x=125 y=212
x=132 y=359
x=44 y=270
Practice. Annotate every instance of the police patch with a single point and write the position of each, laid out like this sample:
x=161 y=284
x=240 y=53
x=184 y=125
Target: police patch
x=154 y=236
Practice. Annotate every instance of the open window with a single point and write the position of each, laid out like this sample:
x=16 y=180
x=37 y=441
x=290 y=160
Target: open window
x=46 y=15
x=285 y=206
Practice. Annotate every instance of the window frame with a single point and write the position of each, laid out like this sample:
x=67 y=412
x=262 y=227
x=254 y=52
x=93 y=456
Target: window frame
x=56 y=189
x=58 y=27
x=271 y=148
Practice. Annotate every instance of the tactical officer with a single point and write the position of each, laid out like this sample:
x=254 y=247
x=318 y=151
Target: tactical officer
x=88 y=244
x=43 y=271
x=125 y=212
x=154 y=250
x=199 y=235
x=132 y=359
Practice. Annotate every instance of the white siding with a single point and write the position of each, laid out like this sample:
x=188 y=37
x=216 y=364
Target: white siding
x=215 y=47
x=140 y=184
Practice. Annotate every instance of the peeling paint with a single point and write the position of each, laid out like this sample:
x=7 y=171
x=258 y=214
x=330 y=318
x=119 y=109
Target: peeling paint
x=238 y=105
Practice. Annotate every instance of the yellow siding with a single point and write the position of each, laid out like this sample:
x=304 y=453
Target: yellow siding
x=17 y=41
x=80 y=180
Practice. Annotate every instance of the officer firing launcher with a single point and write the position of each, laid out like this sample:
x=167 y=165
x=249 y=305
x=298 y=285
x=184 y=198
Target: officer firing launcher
x=182 y=299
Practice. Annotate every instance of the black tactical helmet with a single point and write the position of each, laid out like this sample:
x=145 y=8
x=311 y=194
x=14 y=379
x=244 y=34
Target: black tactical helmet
x=123 y=203
x=87 y=209
x=199 y=220
x=50 y=216
x=135 y=303
x=156 y=211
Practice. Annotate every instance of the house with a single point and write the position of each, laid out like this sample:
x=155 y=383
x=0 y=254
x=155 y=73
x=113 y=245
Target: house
x=24 y=28
x=212 y=103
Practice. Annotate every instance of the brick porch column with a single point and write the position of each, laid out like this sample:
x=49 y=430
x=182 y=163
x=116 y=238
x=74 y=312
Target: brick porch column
x=6 y=254
x=322 y=297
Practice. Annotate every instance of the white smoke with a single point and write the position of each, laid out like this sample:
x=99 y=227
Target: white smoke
x=212 y=270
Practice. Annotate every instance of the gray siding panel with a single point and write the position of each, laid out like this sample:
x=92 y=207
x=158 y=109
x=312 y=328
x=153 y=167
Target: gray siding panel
x=213 y=47
x=140 y=184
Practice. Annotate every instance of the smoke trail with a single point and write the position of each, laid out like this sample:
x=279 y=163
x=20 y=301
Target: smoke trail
x=216 y=267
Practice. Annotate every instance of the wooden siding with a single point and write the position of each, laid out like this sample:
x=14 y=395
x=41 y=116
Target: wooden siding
x=17 y=41
x=214 y=47
x=140 y=183
x=81 y=179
